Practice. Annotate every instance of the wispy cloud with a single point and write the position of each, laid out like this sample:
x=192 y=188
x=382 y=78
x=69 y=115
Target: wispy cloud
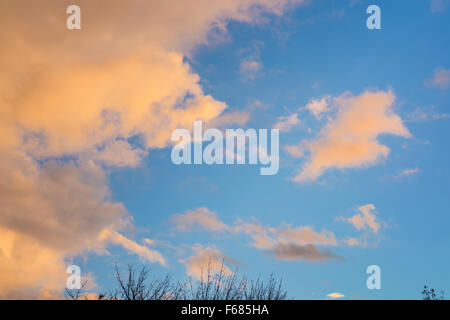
x=143 y=252
x=202 y=217
x=318 y=107
x=440 y=79
x=287 y=123
x=251 y=65
x=407 y=173
x=250 y=68
x=426 y=114
x=438 y=5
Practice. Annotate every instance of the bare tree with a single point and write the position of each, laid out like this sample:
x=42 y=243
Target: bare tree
x=227 y=285
x=76 y=294
x=212 y=285
x=135 y=285
x=431 y=294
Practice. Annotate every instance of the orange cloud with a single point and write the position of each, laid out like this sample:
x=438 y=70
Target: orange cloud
x=365 y=219
x=350 y=139
x=50 y=214
x=206 y=260
x=143 y=252
x=83 y=94
x=283 y=243
x=318 y=106
x=202 y=217
x=335 y=295
x=288 y=243
x=287 y=123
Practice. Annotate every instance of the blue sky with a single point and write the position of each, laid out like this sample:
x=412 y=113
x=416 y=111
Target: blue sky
x=266 y=69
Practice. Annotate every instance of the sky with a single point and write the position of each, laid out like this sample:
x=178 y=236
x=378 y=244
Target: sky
x=87 y=177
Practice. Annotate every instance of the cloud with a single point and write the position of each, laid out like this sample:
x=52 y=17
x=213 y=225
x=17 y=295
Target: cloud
x=350 y=139
x=207 y=259
x=51 y=213
x=287 y=123
x=438 y=5
x=291 y=251
x=143 y=252
x=288 y=243
x=304 y=235
x=440 y=79
x=73 y=102
x=319 y=106
x=203 y=217
x=250 y=68
x=335 y=295
x=426 y=114
x=407 y=173
x=352 y=242
x=251 y=65
x=116 y=153
x=366 y=219
x=284 y=242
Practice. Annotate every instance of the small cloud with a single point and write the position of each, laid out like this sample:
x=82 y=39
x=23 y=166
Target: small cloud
x=251 y=65
x=291 y=243
x=131 y=246
x=207 y=260
x=350 y=138
x=250 y=68
x=318 y=106
x=407 y=173
x=335 y=295
x=441 y=79
x=354 y=2
x=352 y=242
x=437 y=6
x=316 y=85
x=366 y=219
x=292 y=251
x=202 y=217
x=426 y=114
x=149 y=242
x=287 y=123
